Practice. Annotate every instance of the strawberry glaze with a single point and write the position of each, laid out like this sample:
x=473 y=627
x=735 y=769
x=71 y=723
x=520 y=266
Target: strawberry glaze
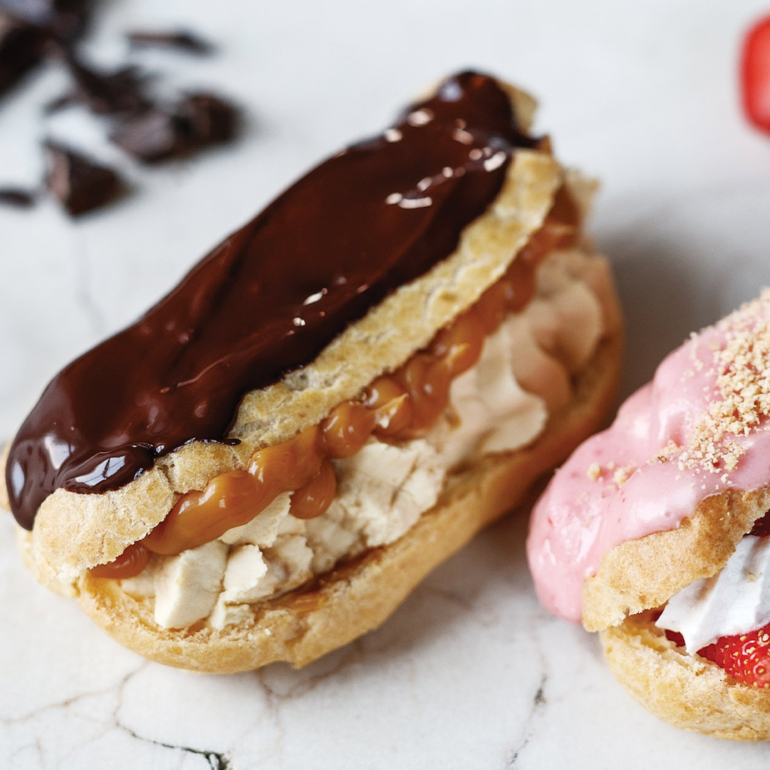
x=627 y=482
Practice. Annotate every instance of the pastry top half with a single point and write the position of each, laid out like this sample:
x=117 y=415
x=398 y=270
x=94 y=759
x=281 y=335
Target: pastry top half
x=343 y=278
x=664 y=499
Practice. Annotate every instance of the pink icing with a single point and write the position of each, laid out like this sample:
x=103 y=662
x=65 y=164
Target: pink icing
x=579 y=518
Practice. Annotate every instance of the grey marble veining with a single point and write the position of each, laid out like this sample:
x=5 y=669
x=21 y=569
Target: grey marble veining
x=470 y=672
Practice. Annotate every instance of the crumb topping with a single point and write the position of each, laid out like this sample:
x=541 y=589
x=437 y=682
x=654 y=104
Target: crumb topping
x=742 y=390
x=622 y=475
x=619 y=475
x=667 y=452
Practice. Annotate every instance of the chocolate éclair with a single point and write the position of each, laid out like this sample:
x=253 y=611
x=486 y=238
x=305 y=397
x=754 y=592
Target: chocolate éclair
x=332 y=401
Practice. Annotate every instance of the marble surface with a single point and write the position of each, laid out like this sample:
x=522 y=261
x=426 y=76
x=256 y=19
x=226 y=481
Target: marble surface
x=470 y=672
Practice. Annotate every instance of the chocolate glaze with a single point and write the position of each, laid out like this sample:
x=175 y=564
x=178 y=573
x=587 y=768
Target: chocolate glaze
x=271 y=297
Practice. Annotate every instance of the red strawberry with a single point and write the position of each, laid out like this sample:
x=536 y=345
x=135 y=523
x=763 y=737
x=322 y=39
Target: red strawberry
x=755 y=74
x=761 y=526
x=746 y=657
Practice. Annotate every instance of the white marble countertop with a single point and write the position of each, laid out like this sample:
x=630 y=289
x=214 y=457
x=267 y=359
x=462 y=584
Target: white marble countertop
x=470 y=672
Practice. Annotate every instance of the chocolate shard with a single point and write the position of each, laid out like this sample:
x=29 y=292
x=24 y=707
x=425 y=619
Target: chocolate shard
x=21 y=47
x=26 y=26
x=198 y=120
x=153 y=136
x=106 y=93
x=36 y=12
x=15 y=196
x=80 y=183
x=211 y=118
x=181 y=39
x=44 y=13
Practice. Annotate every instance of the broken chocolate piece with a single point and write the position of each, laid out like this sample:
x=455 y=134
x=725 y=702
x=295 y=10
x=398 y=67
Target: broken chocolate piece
x=80 y=183
x=198 y=120
x=43 y=13
x=211 y=118
x=153 y=136
x=106 y=93
x=25 y=28
x=182 y=39
x=14 y=196
x=21 y=48
x=31 y=11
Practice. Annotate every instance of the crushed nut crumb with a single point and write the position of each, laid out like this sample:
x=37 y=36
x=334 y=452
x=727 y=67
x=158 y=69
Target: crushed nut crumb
x=622 y=475
x=594 y=471
x=742 y=390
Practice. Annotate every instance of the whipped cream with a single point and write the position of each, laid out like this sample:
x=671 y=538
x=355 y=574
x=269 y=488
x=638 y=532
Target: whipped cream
x=734 y=601
x=500 y=404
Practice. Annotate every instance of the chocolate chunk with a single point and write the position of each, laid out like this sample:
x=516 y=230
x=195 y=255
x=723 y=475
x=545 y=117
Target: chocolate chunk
x=25 y=28
x=198 y=120
x=80 y=183
x=14 y=196
x=43 y=13
x=182 y=39
x=31 y=11
x=21 y=47
x=153 y=136
x=211 y=119
x=106 y=93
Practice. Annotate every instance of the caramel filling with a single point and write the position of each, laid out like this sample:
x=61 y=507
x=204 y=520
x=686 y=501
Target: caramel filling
x=402 y=405
x=129 y=564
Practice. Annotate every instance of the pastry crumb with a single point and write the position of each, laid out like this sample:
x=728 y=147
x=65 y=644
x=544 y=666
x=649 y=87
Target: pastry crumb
x=622 y=475
x=741 y=394
x=594 y=471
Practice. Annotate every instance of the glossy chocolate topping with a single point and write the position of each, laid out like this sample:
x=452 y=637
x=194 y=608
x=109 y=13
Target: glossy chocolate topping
x=271 y=297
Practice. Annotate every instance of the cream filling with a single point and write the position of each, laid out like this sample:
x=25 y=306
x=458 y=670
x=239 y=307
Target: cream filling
x=734 y=601
x=501 y=404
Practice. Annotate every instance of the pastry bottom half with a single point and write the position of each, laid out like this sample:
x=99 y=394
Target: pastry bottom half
x=685 y=690
x=357 y=597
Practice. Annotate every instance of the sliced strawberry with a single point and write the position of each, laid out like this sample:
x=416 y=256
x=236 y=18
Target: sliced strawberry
x=755 y=74
x=675 y=637
x=710 y=652
x=761 y=526
x=746 y=657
